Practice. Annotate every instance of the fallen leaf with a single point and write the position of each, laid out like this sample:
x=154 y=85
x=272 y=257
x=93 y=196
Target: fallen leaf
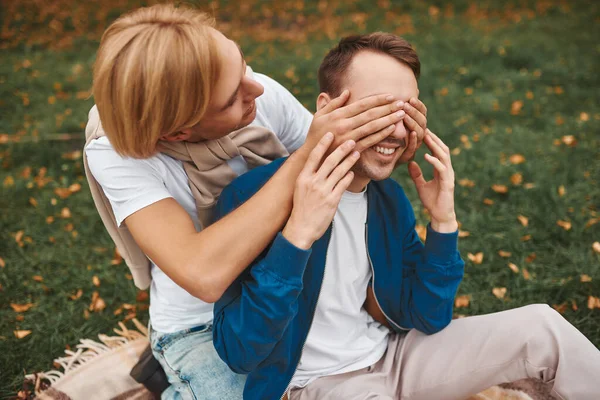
x=559 y=120
x=500 y=188
x=76 y=187
x=530 y=258
x=504 y=254
x=596 y=247
x=523 y=220
x=21 y=307
x=38 y=278
x=584 y=116
x=19 y=236
x=516 y=107
x=422 y=232
x=463 y=234
x=476 y=258
x=566 y=225
x=526 y=274
x=77 y=295
x=529 y=95
x=65 y=213
x=97 y=303
x=63 y=193
x=516 y=178
x=569 y=140
x=462 y=301
x=561 y=191
x=593 y=302
x=529 y=185
x=9 y=181
x=74 y=155
x=466 y=182
x=591 y=222
x=516 y=159
x=586 y=278
x=21 y=334
x=2 y=263
x=33 y=202
x=558 y=90
x=142 y=295
x=19 y=318
x=526 y=238
x=96 y=281
x=117 y=259
x=513 y=267
x=488 y=202
x=499 y=292
x=560 y=308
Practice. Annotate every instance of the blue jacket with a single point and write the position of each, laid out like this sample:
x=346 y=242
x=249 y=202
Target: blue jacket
x=262 y=320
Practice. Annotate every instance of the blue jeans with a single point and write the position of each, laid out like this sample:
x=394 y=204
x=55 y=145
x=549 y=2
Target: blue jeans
x=193 y=366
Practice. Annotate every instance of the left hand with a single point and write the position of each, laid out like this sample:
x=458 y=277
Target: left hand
x=437 y=195
x=415 y=121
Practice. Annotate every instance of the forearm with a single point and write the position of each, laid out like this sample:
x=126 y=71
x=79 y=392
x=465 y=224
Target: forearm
x=219 y=253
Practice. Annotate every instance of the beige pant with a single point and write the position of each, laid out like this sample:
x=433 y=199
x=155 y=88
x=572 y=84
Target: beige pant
x=470 y=355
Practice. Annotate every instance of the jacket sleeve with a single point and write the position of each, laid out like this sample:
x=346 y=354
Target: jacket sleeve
x=431 y=275
x=252 y=315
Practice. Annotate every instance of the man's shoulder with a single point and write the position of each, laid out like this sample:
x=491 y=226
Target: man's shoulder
x=246 y=185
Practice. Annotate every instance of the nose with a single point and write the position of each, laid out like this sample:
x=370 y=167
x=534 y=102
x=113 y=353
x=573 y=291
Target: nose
x=252 y=89
x=400 y=133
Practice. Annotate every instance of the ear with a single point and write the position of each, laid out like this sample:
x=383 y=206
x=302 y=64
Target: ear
x=180 y=136
x=322 y=100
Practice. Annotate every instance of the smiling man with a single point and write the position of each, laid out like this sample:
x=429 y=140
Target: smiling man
x=347 y=303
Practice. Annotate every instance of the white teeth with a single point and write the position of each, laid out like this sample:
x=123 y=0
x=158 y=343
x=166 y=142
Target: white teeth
x=384 y=150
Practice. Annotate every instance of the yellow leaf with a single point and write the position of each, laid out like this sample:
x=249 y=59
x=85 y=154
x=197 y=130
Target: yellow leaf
x=76 y=187
x=488 y=202
x=500 y=188
x=516 y=159
x=523 y=220
x=65 y=213
x=516 y=107
x=63 y=193
x=462 y=301
x=466 y=182
x=38 y=278
x=96 y=281
x=596 y=247
x=516 y=178
x=584 y=116
x=504 y=254
x=585 y=277
x=422 y=232
x=593 y=302
x=476 y=258
x=513 y=267
x=97 y=303
x=526 y=238
x=558 y=90
x=559 y=120
x=463 y=234
x=561 y=191
x=443 y=91
x=51 y=100
x=49 y=219
x=530 y=258
x=2 y=263
x=9 y=181
x=529 y=185
x=21 y=334
x=33 y=202
x=499 y=292
x=74 y=155
x=526 y=274
x=77 y=295
x=21 y=307
x=591 y=222
x=566 y=225
x=529 y=95
x=569 y=140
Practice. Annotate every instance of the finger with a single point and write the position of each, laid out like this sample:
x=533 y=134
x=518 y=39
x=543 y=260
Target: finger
x=437 y=150
x=388 y=122
x=364 y=104
x=341 y=170
x=342 y=185
x=416 y=174
x=419 y=105
x=336 y=103
x=412 y=125
x=316 y=155
x=409 y=153
x=375 y=138
x=437 y=164
x=375 y=113
x=439 y=141
x=334 y=159
x=416 y=115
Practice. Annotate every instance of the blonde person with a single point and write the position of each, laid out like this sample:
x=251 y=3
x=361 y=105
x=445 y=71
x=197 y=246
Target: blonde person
x=181 y=116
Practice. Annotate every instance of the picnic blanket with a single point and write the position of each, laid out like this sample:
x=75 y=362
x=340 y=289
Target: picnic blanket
x=99 y=369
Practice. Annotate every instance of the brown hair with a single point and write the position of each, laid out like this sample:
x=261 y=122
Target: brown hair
x=154 y=74
x=336 y=62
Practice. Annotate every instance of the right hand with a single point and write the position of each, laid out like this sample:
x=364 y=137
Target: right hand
x=367 y=121
x=318 y=191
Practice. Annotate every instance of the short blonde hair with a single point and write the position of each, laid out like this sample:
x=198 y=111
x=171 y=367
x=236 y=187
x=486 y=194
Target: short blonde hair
x=154 y=74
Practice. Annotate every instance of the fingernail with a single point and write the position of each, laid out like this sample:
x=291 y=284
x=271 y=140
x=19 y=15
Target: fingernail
x=356 y=154
x=345 y=92
x=399 y=104
x=400 y=114
x=329 y=135
x=390 y=98
x=407 y=106
x=350 y=143
x=389 y=128
x=414 y=101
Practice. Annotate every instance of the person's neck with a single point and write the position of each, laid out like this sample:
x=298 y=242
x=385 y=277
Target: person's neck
x=358 y=184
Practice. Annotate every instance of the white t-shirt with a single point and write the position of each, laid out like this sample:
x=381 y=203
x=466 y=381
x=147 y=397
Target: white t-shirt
x=132 y=184
x=343 y=337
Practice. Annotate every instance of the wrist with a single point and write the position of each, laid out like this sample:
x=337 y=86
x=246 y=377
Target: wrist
x=444 y=226
x=297 y=236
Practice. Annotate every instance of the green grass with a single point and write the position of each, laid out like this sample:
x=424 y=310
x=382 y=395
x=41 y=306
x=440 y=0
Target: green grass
x=477 y=62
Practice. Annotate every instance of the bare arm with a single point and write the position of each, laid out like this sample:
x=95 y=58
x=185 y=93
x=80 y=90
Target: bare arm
x=205 y=263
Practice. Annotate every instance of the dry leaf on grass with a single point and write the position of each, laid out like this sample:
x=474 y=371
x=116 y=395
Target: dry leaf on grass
x=77 y=295
x=2 y=263
x=516 y=159
x=569 y=140
x=21 y=307
x=96 y=281
x=596 y=247
x=500 y=188
x=422 y=232
x=97 y=303
x=38 y=278
x=593 y=302
x=586 y=278
x=466 y=182
x=566 y=225
x=462 y=301
x=523 y=220
x=476 y=258
x=592 y=221
x=526 y=274
x=463 y=234
x=65 y=213
x=530 y=258
x=516 y=178
x=525 y=238
x=561 y=191
x=504 y=254
x=21 y=333
x=513 y=267
x=488 y=202
x=499 y=292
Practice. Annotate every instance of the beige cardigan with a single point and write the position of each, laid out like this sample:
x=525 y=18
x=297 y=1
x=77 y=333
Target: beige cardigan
x=208 y=173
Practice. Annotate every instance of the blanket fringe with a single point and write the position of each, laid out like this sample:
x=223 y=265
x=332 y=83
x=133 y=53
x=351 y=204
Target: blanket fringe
x=86 y=351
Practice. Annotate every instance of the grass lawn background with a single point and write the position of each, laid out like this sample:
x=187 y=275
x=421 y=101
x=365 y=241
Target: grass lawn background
x=512 y=88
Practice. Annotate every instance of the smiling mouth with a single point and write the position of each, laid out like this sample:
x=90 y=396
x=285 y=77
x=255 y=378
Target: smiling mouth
x=384 y=150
